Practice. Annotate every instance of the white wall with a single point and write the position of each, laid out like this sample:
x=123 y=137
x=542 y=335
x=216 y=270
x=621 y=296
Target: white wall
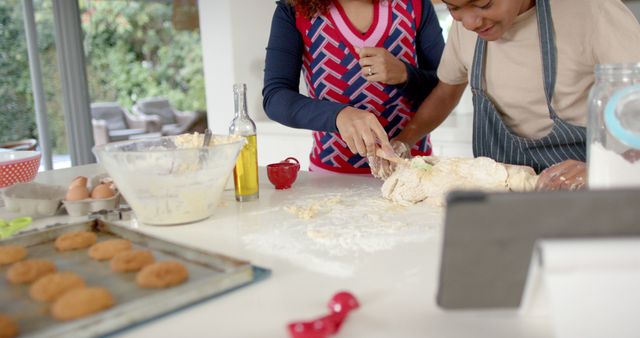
x=250 y=37
x=234 y=37
x=216 y=37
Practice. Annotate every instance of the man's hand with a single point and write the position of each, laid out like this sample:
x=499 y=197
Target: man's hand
x=379 y=65
x=567 y=175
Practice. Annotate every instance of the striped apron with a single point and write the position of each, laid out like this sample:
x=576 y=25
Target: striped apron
x=492 y=138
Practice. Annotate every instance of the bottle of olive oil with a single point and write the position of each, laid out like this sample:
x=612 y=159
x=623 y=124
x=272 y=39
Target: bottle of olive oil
x=245 y=173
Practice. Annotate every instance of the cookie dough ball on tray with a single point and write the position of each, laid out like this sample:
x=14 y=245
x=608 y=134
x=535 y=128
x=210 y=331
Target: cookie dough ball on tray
x=133 y=260
x=81 y=302
x=75 y=240
x=52 y=286
x=108 y=249
x=162 y=275
x=8 y=327
x=10 y=254
x=29 y=270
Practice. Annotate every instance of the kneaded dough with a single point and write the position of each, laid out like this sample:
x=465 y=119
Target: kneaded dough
x=431 y=178
x=521 y=178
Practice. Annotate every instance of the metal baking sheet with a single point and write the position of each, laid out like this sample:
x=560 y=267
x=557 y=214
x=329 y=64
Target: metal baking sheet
x=210 y=274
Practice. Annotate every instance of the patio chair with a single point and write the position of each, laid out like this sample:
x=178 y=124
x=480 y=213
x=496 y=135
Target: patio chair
x=26 y=144
x=173 y=121
x=111 y=122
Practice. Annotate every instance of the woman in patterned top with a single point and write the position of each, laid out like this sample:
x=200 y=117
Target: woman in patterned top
x=367 y=65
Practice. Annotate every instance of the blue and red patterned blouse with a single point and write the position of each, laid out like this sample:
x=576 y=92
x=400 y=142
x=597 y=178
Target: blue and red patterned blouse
x=324 y=48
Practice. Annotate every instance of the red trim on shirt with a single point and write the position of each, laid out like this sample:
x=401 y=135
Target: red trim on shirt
x=372 y=28
x=343 y=170
x=385 y=35
x=417 y=10
x=302 y=23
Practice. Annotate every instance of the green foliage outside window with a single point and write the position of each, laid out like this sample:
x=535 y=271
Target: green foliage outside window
x=132 y=51
x=17 y=120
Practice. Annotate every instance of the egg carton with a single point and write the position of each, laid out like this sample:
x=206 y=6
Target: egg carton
x=89 y=205
x=33 y=199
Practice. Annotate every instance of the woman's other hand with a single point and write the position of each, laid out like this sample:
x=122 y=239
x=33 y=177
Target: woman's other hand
x=381 y=168
x=567 y=175
x=378 y=65
x=362 y=131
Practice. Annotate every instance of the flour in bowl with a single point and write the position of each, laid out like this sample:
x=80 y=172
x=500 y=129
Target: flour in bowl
x=195 y=140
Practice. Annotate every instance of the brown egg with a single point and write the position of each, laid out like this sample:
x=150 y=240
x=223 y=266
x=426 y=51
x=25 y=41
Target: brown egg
x=79 y=181
x=102 y=191
x=76 y=193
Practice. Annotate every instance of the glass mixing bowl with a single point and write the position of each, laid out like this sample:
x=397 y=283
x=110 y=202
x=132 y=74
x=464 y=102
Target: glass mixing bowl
x=173 y=179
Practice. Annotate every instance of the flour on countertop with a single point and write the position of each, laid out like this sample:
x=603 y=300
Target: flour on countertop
x=323 y=232
x=309 y=211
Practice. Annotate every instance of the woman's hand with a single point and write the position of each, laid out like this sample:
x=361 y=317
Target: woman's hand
x=362 y=131
x=378 y=65
x=567 y=175
x=381 y=168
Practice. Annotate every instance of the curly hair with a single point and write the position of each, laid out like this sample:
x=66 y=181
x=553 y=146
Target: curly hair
x=309 y=8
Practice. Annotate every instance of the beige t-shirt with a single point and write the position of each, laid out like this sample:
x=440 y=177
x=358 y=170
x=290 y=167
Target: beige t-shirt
x=588 y=32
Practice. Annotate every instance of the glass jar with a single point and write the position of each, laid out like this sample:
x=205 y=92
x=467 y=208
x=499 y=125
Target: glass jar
x=612 y=162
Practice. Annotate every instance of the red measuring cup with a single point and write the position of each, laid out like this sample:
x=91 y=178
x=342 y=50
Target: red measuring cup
x=284 y=173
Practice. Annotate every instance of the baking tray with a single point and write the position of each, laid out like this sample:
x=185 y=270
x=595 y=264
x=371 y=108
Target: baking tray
x=210 y=274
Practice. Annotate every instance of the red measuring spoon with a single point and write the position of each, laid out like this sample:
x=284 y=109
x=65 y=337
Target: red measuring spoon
x=339 y=305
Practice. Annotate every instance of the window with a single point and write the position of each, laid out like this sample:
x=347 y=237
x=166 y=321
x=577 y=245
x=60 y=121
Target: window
x=134 y=49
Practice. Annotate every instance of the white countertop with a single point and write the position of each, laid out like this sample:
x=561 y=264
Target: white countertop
x=388 y=256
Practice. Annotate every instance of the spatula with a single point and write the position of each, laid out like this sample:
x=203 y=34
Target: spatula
x=205 y=144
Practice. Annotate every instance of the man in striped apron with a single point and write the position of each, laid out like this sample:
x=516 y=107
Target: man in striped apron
x=516 y=119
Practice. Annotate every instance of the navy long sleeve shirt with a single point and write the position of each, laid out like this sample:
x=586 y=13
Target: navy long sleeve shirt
x=281 y=98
